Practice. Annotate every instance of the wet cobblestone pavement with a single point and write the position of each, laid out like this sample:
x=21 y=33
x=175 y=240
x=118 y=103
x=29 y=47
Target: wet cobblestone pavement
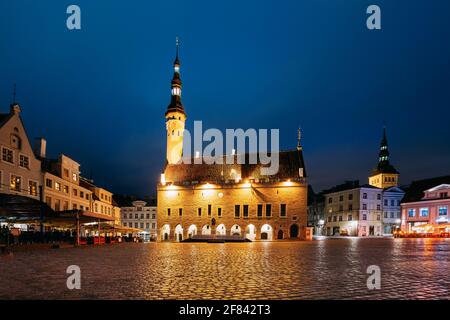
x=322 y=269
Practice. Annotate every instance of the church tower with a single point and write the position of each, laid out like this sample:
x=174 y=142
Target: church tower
x=175 y=117
x=384 y=175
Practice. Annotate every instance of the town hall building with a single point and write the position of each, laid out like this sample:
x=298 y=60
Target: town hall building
x=229 y=202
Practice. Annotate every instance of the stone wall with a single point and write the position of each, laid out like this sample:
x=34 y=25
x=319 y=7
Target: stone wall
x=226 y=196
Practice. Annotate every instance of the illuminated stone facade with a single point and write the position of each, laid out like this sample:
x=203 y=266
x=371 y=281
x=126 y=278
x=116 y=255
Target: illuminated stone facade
x=257 y=210
x=228 y=200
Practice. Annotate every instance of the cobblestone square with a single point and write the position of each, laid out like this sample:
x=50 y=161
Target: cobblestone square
x=322 y=269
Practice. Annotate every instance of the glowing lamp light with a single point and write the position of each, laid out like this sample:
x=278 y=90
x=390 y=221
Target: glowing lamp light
x=197 y=154
x=208 y=191
x=171 y=191
x=247 y=184
x=288 y=183
x=163 y=179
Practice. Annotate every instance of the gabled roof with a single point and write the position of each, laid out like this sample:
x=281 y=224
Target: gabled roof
x=415 y=191
x=4 y=117
x=289 y=164
x=394 y=189
x=439 y=187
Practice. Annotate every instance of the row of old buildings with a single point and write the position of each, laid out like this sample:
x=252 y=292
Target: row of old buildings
x=26 y=172
x=381 y=207
x=225 y=200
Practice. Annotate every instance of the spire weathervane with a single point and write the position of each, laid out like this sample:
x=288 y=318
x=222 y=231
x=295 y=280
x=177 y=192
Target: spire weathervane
x=14 y=94
x=177 y=61
x=299 y=137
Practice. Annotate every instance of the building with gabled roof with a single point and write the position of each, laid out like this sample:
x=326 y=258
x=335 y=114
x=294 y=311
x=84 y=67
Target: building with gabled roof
x=229 y=201
x=20 y=169
x=426 y=208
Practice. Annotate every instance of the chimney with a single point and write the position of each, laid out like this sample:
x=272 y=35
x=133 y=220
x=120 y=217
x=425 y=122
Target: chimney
x=40 y=146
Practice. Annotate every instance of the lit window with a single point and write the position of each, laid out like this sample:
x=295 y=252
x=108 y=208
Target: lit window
x=74 y=177
x=15 y=183
x=32 y=187
x=411 y=212
x=442 y=211
x=58 y=186
x=424 y=212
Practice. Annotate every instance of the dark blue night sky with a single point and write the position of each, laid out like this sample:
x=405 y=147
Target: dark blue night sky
x=99 y=94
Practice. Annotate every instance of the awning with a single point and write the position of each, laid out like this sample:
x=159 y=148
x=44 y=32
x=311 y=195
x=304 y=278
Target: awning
x=442 y=225
x=20 y=208
x=424 y=226
x=69 y=217
x=114 y=228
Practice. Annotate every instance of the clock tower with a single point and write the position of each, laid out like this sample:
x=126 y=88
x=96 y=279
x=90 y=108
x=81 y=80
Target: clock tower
x=175 y=117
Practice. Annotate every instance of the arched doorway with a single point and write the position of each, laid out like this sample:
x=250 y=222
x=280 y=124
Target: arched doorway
x=192 y=230
x=165 y=232
x=206 y=230
x=179 y=233
x=266 y=232
x=280 y=234
x=235 y=230
x=293 y=231
x=250 y=232
x=221 y=230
